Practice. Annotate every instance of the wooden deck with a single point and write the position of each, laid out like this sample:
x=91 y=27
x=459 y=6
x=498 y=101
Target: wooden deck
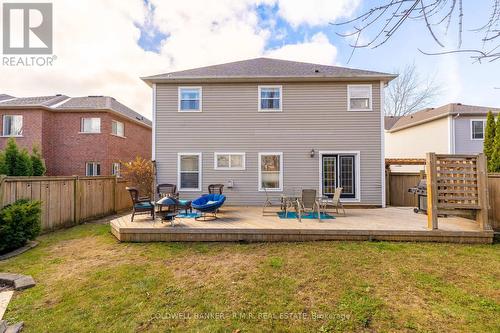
x=248 y=224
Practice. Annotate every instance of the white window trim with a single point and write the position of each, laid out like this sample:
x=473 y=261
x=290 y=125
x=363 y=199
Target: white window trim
x=357 y=175
x=282 y=171
x=281 y=98
x=471 y=129
x=349 y=97
x=113 y=169
x=94 y=168
x=200 y=178
x=179 y=99
x=3 y=126
x=243 y=159
x=118 y=122
x=82 y=127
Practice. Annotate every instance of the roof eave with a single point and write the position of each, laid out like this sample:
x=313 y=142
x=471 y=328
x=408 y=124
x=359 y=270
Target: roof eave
x=423 y=121
x=210 y=79
x=46 y=108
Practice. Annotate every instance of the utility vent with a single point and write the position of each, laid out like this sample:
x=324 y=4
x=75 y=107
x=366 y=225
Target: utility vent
x=96 y=96
x=316 y=71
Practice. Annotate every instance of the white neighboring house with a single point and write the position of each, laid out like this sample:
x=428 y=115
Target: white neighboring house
x=449 y=129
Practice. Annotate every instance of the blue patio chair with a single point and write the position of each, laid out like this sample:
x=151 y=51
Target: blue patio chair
x=209 y=204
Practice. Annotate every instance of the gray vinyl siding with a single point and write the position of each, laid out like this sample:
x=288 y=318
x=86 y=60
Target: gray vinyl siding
x=463 y=141
x=314 y=116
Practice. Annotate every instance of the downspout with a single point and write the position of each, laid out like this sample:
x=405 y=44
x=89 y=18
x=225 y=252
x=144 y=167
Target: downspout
x=452 y=133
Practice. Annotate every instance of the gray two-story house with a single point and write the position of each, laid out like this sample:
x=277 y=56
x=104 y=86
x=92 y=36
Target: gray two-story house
x=449 y=129
x=267 y=125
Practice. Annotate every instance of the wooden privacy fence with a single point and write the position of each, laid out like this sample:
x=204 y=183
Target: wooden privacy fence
x=397 y=194
x=494 y=196
x=456 y=184
x=68 y=201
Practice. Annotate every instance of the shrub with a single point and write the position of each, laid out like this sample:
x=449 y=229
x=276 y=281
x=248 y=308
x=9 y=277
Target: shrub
x=494 y=165
x=489 y=139
x=140 y=173
x=37 y=162
x=19 y=162
x=23 y=166
x=19 y=222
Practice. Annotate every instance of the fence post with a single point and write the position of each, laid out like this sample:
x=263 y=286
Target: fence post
x=388 y=185
x=482 y=183
x=2 y=181
x=115 y=188
x=76 y=198
x=432 y=192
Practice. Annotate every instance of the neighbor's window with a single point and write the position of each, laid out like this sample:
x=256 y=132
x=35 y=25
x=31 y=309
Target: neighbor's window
x=271 y=171
x=190 y=99
x=115 y=169
x=229 y=161
x=12 y=125
x=93 y=169
x=91 y=125
x=477 y=129
x=359 y=97
x=117 y=128
x=189 y=176
x=270 y=98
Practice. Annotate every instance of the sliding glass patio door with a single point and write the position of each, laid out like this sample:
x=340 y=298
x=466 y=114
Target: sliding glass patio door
x=339 y=171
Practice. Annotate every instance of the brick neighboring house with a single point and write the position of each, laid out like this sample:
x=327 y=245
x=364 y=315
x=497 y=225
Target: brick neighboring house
x=77 y=135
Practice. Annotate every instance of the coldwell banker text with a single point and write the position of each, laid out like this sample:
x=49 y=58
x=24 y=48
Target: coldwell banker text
x=27 y=34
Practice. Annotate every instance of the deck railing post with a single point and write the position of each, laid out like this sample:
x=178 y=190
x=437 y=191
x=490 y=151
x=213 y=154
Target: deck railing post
x=482 y=183
x=432 y=191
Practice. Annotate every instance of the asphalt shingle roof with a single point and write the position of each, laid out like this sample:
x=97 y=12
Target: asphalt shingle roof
x=63 y=103
x=430 y=114
x=266 y=67
x=3 y=97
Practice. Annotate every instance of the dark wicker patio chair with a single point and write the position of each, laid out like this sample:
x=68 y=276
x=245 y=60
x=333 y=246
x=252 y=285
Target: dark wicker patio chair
x=215 y=188
x=167 y=190
x=140 y=204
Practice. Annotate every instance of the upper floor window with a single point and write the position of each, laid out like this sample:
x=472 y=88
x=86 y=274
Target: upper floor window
x=91 y=125
x=189 y=99
x=270 y=98
x=92 y=169
x=117 y=128
x=229 y=161
x=477 y=129
x=12 y=125
x=359 y=97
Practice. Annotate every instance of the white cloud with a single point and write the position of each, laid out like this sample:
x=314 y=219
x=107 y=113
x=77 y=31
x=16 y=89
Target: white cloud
x=315 y=12
x=96 y=44
x=317 y=50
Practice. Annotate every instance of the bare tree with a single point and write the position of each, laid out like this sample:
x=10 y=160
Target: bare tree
x=381 y=22
x=409 y=92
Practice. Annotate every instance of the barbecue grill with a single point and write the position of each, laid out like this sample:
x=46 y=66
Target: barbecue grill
x=421 y=192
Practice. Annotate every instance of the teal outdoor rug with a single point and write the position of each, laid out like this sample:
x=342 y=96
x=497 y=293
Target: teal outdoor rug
x=308 y=215
x=189 y=215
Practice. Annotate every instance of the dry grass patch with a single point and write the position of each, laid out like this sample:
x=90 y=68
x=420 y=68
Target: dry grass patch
x=87 y=282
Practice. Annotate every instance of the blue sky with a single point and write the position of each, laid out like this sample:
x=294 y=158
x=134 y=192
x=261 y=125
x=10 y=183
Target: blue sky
x=103 y=47
x=463 y=80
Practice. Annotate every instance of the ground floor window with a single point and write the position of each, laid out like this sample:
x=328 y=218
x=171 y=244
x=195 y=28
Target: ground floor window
x=189 y=171
x=115 y=169
x=229 y=161
x=338 y=170
x=271 y=171
x=93 y=169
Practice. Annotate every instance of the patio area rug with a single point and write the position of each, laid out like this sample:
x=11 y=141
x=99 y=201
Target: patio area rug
x=308 y=215
x=189 y=215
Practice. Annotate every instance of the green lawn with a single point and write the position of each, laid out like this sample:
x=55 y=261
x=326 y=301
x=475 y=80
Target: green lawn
x=88 y=282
